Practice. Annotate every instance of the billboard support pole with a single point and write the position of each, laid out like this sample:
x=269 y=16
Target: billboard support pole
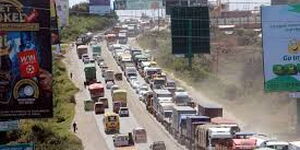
x=190 y=53
x=298 y=114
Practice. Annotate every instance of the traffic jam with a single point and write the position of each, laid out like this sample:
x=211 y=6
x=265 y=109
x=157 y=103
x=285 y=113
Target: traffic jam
x=195 y=126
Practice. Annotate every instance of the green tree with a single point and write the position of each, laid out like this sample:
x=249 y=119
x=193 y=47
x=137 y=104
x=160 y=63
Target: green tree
x=80 y=8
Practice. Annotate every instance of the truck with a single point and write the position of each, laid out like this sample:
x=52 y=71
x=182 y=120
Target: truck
x=165 y=113
x=236 y=144
x=90 y=73
x=181 y=98
x=96 y=90
x=191 y=124
x=210 y=109
x=226 y=123
x=208 y=135
x=122 y=38
x=178 y=111
x=160 y=96
x=96 y=51
x=157 y=83
x=170 y=85
x=109 y=75
x=82 y=49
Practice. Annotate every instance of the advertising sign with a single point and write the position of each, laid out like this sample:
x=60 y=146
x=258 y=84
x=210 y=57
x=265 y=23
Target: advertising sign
x=100 y=2
x=9 y=125
x=18 y=147
x=25 y=59
x=100 y=10
x=190 y=29
x=281 y=45
x=143 y=4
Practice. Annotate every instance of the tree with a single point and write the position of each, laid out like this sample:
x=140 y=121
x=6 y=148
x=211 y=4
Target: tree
x=80 y=8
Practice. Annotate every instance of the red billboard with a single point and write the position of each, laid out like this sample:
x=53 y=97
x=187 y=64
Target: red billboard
x=25 y=59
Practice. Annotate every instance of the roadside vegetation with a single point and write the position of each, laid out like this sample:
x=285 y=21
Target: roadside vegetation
x=81 y=22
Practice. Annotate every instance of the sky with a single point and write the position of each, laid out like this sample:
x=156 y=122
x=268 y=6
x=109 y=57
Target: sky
x=235 y=3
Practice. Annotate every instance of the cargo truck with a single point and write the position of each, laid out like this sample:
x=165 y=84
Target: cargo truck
x=207 y=136
x=210 y=109
x=160 y=96
x=226 y=123
x=165 y=113
x=96 y=90
x=82 y=49
x=178 y=111
x=90 y=73
x=96 y=51
x=191 y=124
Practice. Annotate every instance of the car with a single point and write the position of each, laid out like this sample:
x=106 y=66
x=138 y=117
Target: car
x=92 y=61
x=85 y=57
x=113 y=88
x=124 y=112
x=158 y=145
x=132 y=81
x=135 y=84
x=141 y=88
x=131 y=78
x=180 y=89
x=109 y=84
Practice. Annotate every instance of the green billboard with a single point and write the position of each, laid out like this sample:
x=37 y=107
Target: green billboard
x=281 y=46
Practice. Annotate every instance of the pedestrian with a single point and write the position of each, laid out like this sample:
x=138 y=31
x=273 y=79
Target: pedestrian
x=71 y=75
x=74 y=127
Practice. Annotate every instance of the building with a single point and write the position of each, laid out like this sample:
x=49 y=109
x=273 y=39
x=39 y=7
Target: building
x=100 y=7
x=279 y=2
x=119 y=4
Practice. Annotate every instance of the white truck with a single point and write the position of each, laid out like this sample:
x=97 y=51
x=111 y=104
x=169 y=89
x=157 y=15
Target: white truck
x=160 y=96
x=294 y=145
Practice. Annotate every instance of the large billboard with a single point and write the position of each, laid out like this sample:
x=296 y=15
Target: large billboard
x=25 y=59
x=143 y=4
x=100 y=10
x=100 y=2
x=281 y=45
x=190 y=30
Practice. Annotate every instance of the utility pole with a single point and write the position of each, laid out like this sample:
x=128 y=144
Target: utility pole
x=190 y=51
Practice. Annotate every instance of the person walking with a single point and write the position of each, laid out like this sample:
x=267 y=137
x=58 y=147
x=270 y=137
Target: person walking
x=75 y=127
x=71 y=75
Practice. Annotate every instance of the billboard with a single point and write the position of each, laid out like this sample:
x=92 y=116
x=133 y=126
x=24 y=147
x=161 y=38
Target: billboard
x=190 y=27
x=281 y=46
x=143 y=4
x=100 y=2
x=25 y=59
x=18 y=147
x=100 y=10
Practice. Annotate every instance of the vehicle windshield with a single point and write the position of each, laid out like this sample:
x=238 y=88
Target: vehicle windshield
x=112 y=118
x=164 y=95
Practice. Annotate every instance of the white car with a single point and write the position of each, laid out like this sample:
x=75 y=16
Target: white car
x=141 y=88
x=109 y=85
x=136 y=84
x=131 y=81
x=92 y=61
x=130 y=78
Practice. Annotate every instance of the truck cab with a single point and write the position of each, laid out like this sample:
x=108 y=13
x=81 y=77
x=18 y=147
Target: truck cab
x=109 y=76
x=111 y=122
x=99 y=108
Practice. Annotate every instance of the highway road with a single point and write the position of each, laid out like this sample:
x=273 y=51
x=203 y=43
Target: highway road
x=154 y=129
